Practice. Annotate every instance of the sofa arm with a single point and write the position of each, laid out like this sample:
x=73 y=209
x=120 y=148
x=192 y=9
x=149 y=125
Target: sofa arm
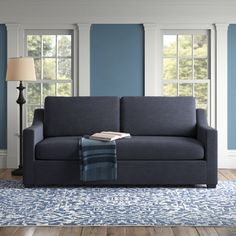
x=208 y=137
x=205 y=133
x=31 y=136
x=34 y=133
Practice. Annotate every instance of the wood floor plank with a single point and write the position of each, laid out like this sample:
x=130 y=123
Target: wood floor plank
x=24 y=231
x=137 y=231
x=116 y=231
x=161 y=231
x=180 y=231
x=223 y=174
x=233 y=172
x=207 y=231
x=226 y=231
x=94 y=231
x=228 y=174
x=71 y=231
x=47 y=231
x=2 y=171
x=7 y=175
x=7 y=231
x=221 y=177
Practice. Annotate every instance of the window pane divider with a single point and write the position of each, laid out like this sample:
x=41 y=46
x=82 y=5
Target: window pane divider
x=177 y=63
x=41 y=85
x=186 y=81
x=51 y=81
x=193 y=75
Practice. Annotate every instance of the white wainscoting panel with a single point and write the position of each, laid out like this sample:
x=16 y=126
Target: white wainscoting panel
x=3 y=158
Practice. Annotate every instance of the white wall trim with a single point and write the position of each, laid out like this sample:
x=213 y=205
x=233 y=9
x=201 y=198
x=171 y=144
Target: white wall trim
x=122 y=11
x=12 y=107
x=221 y=93
x=75 y=62
x=3 y=158
x=182 y=26
x=213 y=97
x=43 y=26
x=16 y=47
x=84 y=59
x=229 y=160
x=151 y=86
x=231 y=153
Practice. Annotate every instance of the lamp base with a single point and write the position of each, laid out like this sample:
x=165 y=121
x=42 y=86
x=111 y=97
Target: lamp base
x=17 y=172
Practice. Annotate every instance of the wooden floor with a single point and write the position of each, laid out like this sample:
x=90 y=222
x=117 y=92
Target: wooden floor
x=119 y=231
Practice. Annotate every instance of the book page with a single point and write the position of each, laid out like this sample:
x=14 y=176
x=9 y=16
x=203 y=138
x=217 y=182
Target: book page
x=117 y=133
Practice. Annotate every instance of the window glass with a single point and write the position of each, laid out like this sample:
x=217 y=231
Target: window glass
x=185 y=66
x=52 y=55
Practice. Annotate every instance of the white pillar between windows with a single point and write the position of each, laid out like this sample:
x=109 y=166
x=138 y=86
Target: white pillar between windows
x=221 y=92
x=152 y=85
x=84 y=59
x=12 y=107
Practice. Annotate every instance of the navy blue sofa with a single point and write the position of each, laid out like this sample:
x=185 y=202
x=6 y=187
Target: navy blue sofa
x=171 y=142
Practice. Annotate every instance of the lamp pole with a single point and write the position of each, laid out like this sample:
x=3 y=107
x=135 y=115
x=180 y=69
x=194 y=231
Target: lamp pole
x=20 y=69
x=20 y=101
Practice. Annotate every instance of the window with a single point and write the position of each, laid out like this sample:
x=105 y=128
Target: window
x=186 y=65
x=52 y=53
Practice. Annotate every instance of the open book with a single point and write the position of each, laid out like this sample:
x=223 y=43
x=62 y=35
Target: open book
x=109 y=136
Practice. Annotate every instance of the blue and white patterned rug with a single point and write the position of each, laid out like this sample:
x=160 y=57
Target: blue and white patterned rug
x=118 y=206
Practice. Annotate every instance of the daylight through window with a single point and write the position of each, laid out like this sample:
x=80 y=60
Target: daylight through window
x=186 y=66
x=52 y=53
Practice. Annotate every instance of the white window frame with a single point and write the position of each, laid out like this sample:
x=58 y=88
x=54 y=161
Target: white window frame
x=153 y=59
x=15 y=48
x=192 y=81
x=41 y=82
x=159 y=29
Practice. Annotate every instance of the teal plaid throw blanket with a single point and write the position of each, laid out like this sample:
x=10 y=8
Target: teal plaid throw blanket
x=98 y=160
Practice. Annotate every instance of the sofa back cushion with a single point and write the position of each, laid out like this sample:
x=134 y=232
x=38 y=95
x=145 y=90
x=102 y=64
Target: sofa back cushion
x=158 y=116
x=71 y=116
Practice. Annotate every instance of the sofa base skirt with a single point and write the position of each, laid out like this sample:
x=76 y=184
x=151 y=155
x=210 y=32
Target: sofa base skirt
x=129 y=173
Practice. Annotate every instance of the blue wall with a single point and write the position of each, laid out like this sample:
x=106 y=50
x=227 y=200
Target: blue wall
x=3 y=87
x=232 y=87
x=117 y=60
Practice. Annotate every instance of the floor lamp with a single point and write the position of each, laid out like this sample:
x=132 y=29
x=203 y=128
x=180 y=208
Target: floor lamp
x=20 y=69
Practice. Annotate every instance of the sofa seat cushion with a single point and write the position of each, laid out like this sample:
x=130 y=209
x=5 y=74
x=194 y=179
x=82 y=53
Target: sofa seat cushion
x=159 y=148
x=58 y=148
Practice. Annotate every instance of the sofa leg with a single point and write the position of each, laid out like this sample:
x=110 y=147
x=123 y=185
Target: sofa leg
x=211 y=185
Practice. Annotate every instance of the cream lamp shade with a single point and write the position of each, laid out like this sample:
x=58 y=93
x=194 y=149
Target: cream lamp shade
x=20 y=69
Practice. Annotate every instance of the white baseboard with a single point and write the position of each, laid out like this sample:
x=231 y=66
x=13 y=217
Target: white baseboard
x=229 y=160
x=3 y=158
